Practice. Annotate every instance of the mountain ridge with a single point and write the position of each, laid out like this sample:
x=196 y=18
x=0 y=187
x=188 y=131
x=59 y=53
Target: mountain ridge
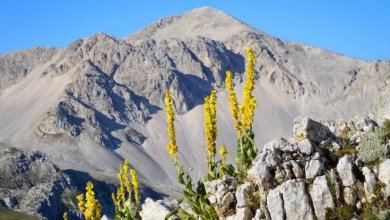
x=100 y=100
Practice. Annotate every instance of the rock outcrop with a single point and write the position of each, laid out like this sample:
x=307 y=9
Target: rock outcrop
x=307 y=178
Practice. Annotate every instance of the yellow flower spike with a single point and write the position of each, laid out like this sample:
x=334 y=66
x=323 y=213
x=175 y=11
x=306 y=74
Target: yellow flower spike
x=126 y=177
x=81 y=202
x=223 y=151
x=89 y=205
x=233 y=100
x=134 y=181
x=248 y=105
x=172 y=147
x=210 y=118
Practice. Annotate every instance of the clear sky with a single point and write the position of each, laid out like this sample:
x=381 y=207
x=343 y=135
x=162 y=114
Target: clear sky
x=358 y=28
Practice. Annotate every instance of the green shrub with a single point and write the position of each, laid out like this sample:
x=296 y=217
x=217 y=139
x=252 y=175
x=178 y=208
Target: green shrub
x=372 y=147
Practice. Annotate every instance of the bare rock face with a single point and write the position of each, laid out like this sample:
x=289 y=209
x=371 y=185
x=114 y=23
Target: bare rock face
x=15 y=66
x=29 y=182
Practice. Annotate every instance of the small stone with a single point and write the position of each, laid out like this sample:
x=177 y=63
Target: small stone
x=313 y=168
x=359 y=205
x=227 y=200
x=212 y=199
x=345 y=170
x=350 y=196
x=243 y=194
x=297 y=170
x=152 y=210
x=243 y=214
x=369 y=183
x=305 y=147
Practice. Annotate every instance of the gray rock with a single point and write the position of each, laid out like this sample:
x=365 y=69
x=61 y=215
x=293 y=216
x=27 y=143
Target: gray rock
x=152 y=210
x=275 y=204
x=384 y=172
x=345 y=170
x=34 y=183
x=257 y=215
x=243 y=194
x=313 y=130
x=321 y=197
x=17 y=65
x=369 y=183
x=8 y=202
x=226 y=202
x=297 y=170
x=281 y=144
x=313 y=168
x=305 y=147
x=384 y=175
x=260 y=172
x=243 y=214
x=350 y=196
x=296 y=201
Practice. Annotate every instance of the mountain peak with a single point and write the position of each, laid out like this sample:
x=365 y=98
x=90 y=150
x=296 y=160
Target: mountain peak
x=200 y=22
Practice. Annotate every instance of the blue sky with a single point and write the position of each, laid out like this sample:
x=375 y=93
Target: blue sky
x=358 y=28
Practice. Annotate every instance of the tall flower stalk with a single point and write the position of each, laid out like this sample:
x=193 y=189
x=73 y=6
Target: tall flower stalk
x=243 y=115
x=88 y=204
x=125 y=207
x=172 y=147
x=210 y=123
x=201 y=206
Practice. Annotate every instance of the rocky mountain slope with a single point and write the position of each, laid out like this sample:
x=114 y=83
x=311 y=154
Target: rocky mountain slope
x=100 y=100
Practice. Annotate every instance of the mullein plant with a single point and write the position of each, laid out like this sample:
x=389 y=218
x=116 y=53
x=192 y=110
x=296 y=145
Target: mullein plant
x=216 y=169
x=201 y=206
x=127 y=208
x=243 y=116
x=88 y=204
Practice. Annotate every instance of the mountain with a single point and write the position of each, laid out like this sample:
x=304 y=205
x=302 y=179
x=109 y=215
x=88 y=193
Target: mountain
x=100 y=100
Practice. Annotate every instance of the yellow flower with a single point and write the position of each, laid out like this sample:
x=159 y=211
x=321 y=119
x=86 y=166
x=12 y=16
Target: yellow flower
x=92 y=206
x=248 y=105
x=210 y=119
x=65 y=216
x=134 y=181
x=89 y=206
x=232 y=100
x=123 y=193
x=223 y=151
x=172 y=148
x=81 y=202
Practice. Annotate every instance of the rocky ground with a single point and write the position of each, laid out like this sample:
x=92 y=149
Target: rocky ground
x=318 y=174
